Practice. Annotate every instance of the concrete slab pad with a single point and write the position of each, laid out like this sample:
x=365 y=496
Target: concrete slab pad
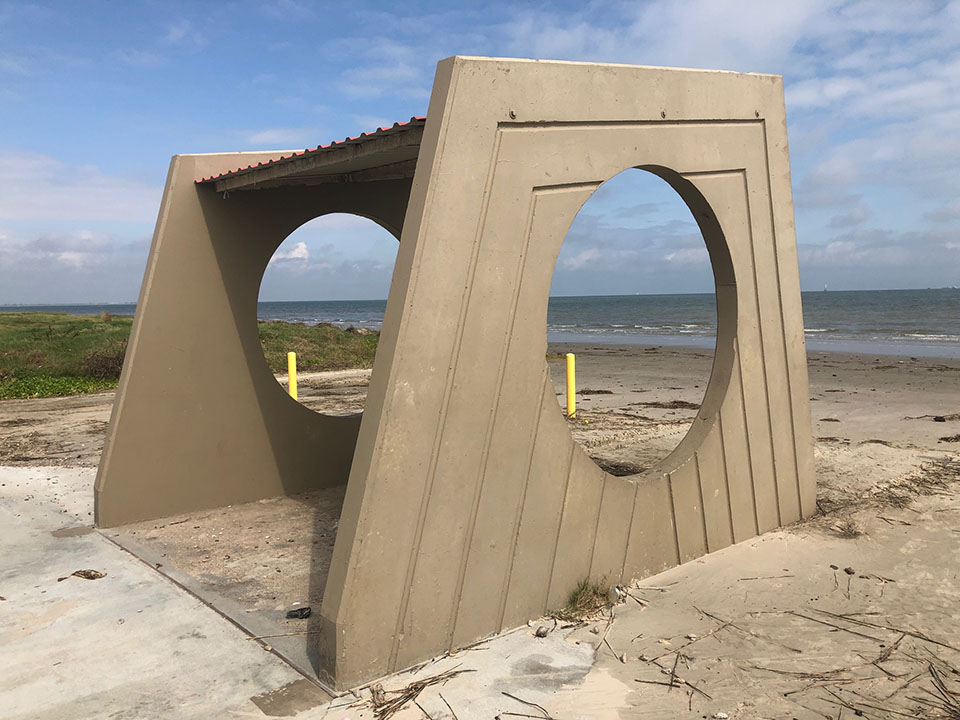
x=130 y=644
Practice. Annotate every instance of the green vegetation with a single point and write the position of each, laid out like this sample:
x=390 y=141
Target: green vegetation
x=46 y=354
x=318 y=347
x=586 y=602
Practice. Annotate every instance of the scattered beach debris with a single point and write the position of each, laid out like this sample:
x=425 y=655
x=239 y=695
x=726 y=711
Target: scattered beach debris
x=300 y=613
x=949 y=417
x=85 y=574
x=594 y=392
x=670 y=405
x=386 y=703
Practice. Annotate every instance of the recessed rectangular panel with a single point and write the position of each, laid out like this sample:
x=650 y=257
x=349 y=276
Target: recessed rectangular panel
x=688 y=511
x=578 y=529
x=713 y=485
x=652 y=545
x=613 y=529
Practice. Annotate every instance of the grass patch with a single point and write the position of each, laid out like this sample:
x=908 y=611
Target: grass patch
x=586 y=602
x=45 y=386
x=848 y=528
x=318 y=347
x=48 y=354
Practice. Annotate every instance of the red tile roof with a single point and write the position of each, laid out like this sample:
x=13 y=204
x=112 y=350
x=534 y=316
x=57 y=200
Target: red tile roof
x=396 y=127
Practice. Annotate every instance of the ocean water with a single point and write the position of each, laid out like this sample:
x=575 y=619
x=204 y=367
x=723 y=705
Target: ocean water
x=891 y=322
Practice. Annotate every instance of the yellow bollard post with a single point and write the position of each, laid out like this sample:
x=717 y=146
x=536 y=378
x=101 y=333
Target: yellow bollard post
x=292 y=374
x=571 y=385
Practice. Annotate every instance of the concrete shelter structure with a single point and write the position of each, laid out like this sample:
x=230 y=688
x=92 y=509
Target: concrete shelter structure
x=469 y=508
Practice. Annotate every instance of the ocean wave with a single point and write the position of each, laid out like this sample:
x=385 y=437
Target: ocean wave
x=934 y=337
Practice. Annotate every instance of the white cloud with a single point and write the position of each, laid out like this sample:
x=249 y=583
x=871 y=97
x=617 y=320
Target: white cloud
x=41 y=188
x=139 y=58
x=688 y=256
x=183 y=33
x=12 y=65
x=386 y=67
x=286 y=137
x=71 y=266
x=949 y=212
x=865 y=258
x=298 y=252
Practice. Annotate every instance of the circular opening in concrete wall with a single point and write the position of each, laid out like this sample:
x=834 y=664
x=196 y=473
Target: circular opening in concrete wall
x=322 y=297
x=633 y=297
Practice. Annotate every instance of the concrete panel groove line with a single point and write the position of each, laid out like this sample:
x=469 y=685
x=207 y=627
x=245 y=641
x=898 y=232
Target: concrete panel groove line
x=726 y=476
x=556 y=542
x=468 y=507
x=761 y=348
x=488 y=431
x=784 y=318
x=518 y=512
x=445 y=406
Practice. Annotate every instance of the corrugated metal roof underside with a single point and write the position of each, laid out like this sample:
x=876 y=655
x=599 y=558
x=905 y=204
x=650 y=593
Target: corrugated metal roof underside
x=387 y=153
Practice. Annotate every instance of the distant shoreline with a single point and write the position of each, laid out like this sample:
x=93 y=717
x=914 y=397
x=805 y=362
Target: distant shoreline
x=902 y=323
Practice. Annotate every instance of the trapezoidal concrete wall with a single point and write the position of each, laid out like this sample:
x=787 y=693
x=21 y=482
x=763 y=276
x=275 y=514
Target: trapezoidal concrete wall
x=469 y=508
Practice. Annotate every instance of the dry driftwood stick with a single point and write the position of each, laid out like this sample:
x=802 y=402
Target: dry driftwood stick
x=890 y=628
x=546 y=715
x=673 y=678
x=833 y=625
x=654 y=682
x=454 y=714
x=673 y=672
x=748 y=632
x=766 y=577
x=289 y=634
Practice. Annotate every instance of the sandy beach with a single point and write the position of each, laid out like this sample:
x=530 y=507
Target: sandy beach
x=885 y=545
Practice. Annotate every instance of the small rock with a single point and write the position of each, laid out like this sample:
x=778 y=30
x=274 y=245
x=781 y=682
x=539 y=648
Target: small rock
x=541 y=632
x=720 y=716
x=300 y=613
x=691 y=636
x=850 y=571
x=595 y=629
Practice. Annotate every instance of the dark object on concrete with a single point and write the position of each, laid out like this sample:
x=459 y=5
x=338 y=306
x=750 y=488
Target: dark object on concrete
x=85 y=574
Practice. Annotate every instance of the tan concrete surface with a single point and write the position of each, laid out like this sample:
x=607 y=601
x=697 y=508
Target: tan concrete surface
x=468 y=503
x=472 y=470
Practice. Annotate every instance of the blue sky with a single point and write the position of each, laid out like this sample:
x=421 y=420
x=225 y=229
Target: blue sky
x=95 y=97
